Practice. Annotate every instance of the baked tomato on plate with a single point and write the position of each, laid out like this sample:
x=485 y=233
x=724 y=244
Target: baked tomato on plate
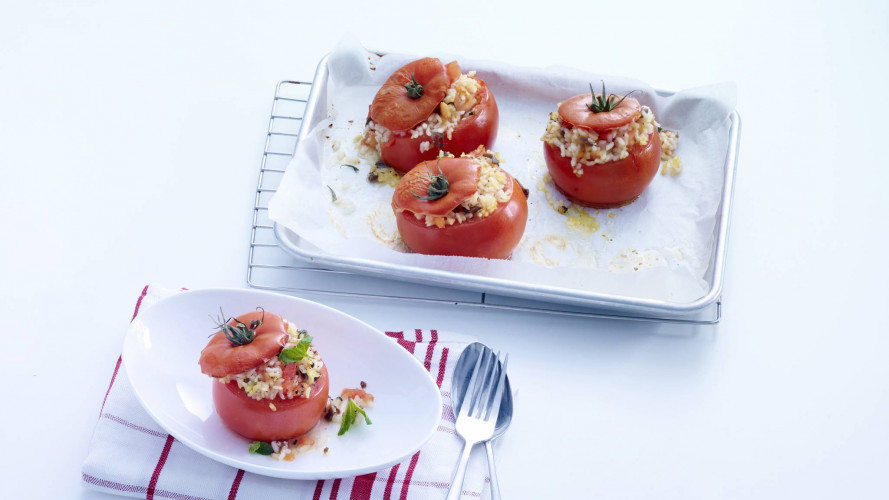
x=602 y=150
x=255 y=419
x=465 y=206
x=271 y=384
x=426 y=107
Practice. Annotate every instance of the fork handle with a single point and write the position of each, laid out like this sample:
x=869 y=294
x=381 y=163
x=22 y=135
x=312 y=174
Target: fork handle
x=457 y=481
x=495 y=486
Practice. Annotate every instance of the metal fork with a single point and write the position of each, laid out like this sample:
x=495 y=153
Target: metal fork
x=478 y=413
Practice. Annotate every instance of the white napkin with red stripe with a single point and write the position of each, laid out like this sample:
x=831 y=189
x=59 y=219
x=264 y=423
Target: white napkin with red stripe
x=133 y=456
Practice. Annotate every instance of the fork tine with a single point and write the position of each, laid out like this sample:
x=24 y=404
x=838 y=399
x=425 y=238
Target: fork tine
x=490 y=385
x=493 y=406
x=468 y=395
x=483 y=388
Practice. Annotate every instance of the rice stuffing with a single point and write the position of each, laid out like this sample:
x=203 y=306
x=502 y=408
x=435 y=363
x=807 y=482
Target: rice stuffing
x=266 y=381
x=588 y=147
x=670 y=162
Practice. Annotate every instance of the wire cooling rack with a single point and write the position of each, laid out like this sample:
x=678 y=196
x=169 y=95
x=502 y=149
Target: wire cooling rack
x=270 y=268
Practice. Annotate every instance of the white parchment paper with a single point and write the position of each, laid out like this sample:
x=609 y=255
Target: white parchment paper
x=658 y=247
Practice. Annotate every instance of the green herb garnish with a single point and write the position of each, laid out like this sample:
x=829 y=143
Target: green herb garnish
x=296 y=353
x=604 y=102
x=240 y=333
x=438 y=185
x=261 y=447
x=414 y=89
x=353 y=167
x=350 y=414
x=332 y=194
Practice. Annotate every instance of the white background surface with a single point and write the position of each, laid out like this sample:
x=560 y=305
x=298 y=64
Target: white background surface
x=129 y=144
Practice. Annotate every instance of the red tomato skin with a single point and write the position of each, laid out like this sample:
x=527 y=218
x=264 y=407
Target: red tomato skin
x=453 y=70
x=492 y=237
x=254 y=419
x=403 y=153
x=608 y=185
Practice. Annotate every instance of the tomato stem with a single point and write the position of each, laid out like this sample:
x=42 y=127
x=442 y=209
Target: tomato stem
x=604 y=102
x=414 y=89
x=240 y=333
x=438 y=186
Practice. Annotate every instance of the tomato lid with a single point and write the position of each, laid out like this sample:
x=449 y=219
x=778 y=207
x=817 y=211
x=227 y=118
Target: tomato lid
x=410 y=94
x=576 y=112
x=221 y=357
x=462 y=176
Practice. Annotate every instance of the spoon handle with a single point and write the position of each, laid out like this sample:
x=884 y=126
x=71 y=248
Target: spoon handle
x=456 y=489
x=495 y=486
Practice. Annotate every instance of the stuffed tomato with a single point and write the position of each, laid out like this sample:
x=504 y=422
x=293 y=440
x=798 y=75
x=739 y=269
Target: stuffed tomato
x=465 y=206
x=271 y=384
x=602 y=150
x=426 y=107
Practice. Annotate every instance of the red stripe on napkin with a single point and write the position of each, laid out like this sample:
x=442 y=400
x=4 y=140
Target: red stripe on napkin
x=113 y=377
x=130 y=425
x=318 y=488
x=139 y=302
x=233 y=492
x=430 y=348
x=387 y=493
x=335 y=488
x=157 y=470
x=407 y=344
x=441 y=367
x=104 y=483
x=120 y=358
x=130 y=488
x=363 y=486
x=410 y=473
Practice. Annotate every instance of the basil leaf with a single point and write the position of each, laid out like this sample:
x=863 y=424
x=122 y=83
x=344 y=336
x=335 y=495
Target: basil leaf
x=296 y=353
x=349 y=415
x=261 y=447
x=348 y=419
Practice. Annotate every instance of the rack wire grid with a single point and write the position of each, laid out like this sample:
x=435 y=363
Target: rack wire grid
x=271 y=268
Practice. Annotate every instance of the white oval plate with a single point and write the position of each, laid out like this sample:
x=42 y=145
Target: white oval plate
x=161 y=353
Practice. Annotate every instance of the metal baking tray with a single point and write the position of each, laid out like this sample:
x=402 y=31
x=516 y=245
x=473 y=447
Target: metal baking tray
x=575 y=300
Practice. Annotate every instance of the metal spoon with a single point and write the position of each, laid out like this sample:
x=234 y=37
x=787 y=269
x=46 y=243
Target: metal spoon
x=459 y=381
